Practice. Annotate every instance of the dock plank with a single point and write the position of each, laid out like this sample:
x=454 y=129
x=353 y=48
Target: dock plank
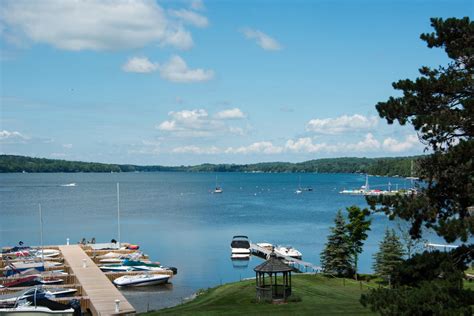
x=95 y=284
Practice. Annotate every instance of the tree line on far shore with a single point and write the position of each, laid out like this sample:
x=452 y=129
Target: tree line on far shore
x=401 y=166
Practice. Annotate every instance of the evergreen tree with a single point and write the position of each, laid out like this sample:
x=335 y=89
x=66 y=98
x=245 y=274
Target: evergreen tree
x=389 y=256
x=336 y=258
x=440 y=107
x=357 y=227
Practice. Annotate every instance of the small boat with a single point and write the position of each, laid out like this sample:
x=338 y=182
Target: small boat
x=47 y=253
x=142 y=279
x=36 y=291
x=265 y=245
x=59 y=291
x=288 y=252
x=69 y=184
x=18 y=266
x=240 y=247
x=33 y=301
x=218 y=189
x=298 y=191
x=29 y=280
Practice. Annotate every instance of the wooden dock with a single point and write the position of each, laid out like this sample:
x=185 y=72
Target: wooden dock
x=101 y=293
x=299 y=264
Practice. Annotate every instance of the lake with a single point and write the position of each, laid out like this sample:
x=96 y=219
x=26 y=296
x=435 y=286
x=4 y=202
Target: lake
x=176 y=219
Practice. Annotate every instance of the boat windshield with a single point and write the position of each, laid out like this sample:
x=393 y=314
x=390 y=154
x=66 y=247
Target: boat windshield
x=240 y=243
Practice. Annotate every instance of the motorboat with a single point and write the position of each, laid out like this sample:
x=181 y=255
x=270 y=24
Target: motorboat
x=240 y=247
x=37 y=291
x=298 y=191
x=33 y=301
x=18 y=266
x=29 y=280
x=73 y=184
x=47 y=253
x=288 y=252
x=142 y=279
x=265 y=245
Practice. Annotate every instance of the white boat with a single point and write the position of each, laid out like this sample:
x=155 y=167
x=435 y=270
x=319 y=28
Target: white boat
x=298 y=191
x=69 y=185
x=142 y=279
x=218 y=189
x=47 y=253
x=240 y=247
x=33 y=302
x=288 y=252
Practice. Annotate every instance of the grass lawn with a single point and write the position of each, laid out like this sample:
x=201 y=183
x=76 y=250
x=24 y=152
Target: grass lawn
x=319 y=296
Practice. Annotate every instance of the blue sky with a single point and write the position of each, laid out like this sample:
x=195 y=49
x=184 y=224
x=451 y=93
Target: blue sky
x=187 y=82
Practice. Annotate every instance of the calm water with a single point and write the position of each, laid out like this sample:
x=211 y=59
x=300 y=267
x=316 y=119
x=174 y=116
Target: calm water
x=177 y=221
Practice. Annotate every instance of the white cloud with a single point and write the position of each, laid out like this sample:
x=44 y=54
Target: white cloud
x=367 y=144
x=262 y=39
x=263 y=147
x=197 y=5
x=393 y=145
x=198 y=122
x=7 y=137
x=92 y=25
x=306 y=145
x=176 y=70
x=190 y=17
x=234 y=113
x=196 y=150
x=342 y=124
x=140 y=65
x=178 y=37
x=67 y=146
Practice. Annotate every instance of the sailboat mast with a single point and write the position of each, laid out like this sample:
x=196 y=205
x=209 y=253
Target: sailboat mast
x=118 y=213
x=41 y=232
x=367 y=182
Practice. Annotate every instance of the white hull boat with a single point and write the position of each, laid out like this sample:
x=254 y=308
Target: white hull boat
x=288 y=252
x=240 y=247
x=28 y=310
x=142 y=280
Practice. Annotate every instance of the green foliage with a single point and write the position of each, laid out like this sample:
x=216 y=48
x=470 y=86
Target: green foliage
x=336 y=258
x=377 y=166
x=440 y=106
x=430 y=298
x=389 y=256
x=357 y=228
x=430 y=283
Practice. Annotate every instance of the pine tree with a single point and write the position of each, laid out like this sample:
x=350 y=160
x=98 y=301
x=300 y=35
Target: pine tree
x=389 y=256
x=336 y=258
x=357 y=227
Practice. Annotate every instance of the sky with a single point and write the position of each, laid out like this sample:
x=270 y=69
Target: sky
x=231 y=81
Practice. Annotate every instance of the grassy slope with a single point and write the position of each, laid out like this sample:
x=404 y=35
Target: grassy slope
x=319 y=295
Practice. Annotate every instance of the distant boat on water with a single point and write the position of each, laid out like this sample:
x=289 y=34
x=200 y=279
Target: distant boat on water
x=218 y=189
x=69 y=184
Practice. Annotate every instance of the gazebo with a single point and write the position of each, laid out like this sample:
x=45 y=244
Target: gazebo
x=268 y=289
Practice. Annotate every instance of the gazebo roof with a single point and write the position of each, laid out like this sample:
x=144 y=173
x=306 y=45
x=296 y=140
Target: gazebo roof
x=273 y=264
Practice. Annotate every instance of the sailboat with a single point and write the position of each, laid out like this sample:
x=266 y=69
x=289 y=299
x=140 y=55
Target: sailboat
x=299 y=190
x=218 y=189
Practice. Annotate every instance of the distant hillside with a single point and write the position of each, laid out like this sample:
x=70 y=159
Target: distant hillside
x=378 y=166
